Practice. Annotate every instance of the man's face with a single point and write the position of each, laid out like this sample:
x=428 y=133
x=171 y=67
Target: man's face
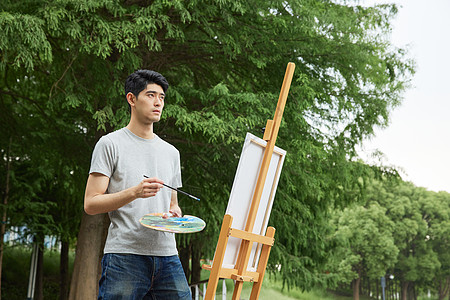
x=150 y=103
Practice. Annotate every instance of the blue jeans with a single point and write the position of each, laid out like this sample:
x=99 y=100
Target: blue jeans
x=130 y=276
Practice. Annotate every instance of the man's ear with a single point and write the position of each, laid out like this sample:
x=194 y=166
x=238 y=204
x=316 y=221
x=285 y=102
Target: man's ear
x=131 y=99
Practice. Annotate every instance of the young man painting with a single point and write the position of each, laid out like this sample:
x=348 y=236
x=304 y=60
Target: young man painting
x=138 y=263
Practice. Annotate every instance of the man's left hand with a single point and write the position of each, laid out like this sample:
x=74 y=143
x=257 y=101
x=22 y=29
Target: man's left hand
x=175 y=210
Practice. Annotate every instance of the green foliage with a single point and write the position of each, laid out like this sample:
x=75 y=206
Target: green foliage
x=398 y=229
x=23 y=38
x=14 y=284
x=366 y=244
x=16 y=270
x=63 y=63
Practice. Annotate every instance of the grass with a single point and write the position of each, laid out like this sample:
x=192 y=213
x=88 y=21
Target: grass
x=273 y=290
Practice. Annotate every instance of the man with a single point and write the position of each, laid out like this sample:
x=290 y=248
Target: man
x=138 y=263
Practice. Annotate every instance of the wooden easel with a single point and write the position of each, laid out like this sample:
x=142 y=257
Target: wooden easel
x=239 y=273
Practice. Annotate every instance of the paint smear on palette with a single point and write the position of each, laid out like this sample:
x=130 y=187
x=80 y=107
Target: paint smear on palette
x=185 y=224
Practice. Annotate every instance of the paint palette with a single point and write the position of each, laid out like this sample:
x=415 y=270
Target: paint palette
x=185 y=224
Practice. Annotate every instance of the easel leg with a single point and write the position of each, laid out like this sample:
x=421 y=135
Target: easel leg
x=218 y=258
x=262 y=264
x=244 y=254
x=237 y=290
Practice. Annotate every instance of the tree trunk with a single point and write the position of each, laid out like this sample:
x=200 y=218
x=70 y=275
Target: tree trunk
x=361 y=286
x=356 y=288
x=64 y=271
x=87 y=266
x=404 y=290
x=444 y=288
x=195 y=262
x=5 y=206
x=412 y=292
x=378 y=289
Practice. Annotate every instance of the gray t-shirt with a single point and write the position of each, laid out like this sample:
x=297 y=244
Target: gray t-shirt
x=125 y=158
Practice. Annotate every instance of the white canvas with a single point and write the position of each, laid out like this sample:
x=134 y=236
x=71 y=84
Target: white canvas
x=242 y=193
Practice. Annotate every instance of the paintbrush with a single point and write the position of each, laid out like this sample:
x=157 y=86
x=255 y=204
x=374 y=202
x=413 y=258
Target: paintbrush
x=187 y=194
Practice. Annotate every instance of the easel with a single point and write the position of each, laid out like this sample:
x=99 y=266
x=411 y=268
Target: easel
x=240 y=273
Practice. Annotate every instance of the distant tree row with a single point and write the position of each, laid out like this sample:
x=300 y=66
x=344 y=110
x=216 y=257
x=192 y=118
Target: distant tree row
x=397 y=231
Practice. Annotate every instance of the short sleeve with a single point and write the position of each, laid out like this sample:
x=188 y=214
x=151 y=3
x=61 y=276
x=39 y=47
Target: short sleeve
x=103 y=157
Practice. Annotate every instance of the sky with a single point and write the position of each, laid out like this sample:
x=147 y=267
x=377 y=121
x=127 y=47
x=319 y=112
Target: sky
x=418 y=137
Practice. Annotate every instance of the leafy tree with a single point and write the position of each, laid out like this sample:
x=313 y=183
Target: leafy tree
x=437 y=214
x=225 y=61
x=39 y=151
x=413 y=219
x=367 y=246
x=417 y=215
x=416 y=257
x=24 y=168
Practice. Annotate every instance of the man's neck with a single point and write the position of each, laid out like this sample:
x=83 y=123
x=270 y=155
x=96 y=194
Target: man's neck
x=141 y=130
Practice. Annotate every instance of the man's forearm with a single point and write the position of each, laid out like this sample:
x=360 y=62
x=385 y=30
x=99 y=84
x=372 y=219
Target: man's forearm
x=102 y=203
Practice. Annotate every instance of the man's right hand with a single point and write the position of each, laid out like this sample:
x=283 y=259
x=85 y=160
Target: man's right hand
x=148 y=187
x=96 y=201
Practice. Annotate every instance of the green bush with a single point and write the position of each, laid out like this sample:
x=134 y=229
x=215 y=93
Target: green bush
x=16 y=271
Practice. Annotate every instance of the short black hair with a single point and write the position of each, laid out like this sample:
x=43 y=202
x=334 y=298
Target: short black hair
x=138 y=81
